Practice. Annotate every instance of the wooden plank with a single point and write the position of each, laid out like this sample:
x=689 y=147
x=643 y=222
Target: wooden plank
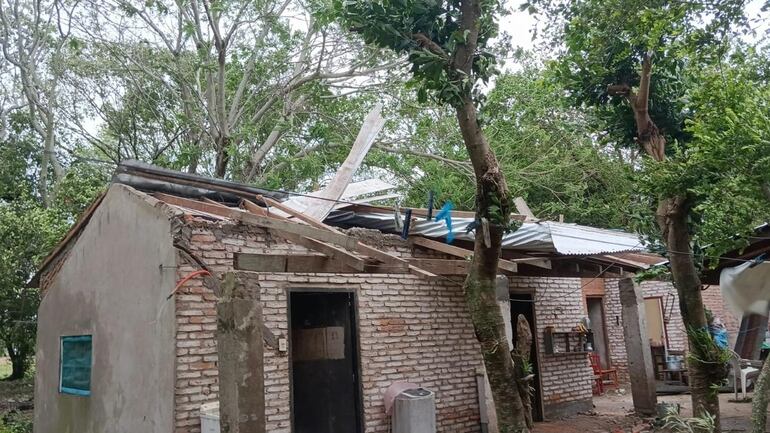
x=458 y=252
x=364 y=187
x=260 y=262
x=262 y=221
x=395 y=262
x=254 y=208
x=372 y=126
x=443 y=266
x=331 y=251
x=291 y=263
x=534 y=261
x=522 y=208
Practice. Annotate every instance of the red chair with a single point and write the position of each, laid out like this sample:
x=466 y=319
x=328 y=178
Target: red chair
x=602 y=377
x=598 y=388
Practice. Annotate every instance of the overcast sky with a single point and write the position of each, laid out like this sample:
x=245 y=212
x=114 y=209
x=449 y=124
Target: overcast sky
x=520 y=24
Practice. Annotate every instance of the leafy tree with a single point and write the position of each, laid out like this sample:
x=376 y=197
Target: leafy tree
x=725 y=170
x=445 y=42
x=638 y=65
x=28 y=231
x=545 y=148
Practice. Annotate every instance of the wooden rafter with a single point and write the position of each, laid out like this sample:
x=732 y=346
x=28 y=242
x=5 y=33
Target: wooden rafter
x=457 y=252
x=319 y=263
x=391 y=260
x=246 y=217
x=331 y=251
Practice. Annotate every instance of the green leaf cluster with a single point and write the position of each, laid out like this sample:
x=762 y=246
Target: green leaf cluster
x=429 y=32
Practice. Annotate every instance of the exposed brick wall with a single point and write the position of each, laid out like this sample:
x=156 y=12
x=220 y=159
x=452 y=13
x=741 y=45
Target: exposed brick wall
x=409 y=329
x=566 y=379
x=677 y=338
x=613 y=314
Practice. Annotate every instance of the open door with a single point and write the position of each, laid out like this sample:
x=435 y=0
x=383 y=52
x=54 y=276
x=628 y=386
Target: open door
x=324 y=363
x=656 y=327
x=523 y=304
x=595 y=306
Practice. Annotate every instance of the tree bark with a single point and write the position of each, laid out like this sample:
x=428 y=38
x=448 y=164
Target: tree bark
x=19 y=362
x=491 y=193
x=479 y=286
x=223 y=156
x=760 y=399
x=521 y=357
x=672 y=217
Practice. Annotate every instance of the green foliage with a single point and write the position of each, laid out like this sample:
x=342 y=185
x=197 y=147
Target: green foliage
x=28 y=231
x=544 y=147
x=430 y=32
x=16 y=423
x=675 y=423
x=605 y=41
x=707 y=97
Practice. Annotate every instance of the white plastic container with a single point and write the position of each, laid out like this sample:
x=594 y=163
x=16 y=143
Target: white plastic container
x=210 y=417
x=414 y=411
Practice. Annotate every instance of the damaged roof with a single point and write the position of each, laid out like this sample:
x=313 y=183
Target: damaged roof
x=541 y=239
x=532 y=237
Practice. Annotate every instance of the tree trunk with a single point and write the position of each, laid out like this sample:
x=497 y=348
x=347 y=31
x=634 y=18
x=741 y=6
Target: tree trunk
x=760 y=399
x=19 y=362
x=480 y=284
x=223 y=156
x=491 y=194
x=521 y=357
x=672 y=219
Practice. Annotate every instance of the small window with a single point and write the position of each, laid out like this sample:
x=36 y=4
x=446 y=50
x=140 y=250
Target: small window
x=75 y=373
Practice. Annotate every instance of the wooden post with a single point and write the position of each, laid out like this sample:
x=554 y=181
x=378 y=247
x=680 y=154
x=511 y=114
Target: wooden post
x=638 y=351
x=240 y=351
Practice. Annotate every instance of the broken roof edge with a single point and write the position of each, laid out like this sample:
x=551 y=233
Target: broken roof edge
x=143 y=176
x=73 y=234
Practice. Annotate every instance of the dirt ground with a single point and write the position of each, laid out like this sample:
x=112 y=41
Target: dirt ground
x=612 y=414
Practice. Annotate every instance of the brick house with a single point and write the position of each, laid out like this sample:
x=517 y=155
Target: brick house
x=138 y=343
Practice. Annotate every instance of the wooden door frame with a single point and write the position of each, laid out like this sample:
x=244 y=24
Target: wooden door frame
x=604 y=323
x=354 y=326
x=666 y=342
x=535 y=341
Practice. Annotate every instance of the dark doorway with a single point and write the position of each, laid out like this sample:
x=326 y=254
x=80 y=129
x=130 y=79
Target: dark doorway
x=595 y=307
x=523 y=304
x=324 y=363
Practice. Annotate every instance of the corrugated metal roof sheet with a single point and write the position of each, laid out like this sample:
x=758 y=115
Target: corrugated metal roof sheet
x=543 y=236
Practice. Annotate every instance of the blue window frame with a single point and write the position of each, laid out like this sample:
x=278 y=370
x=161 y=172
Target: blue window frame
x=75 y=365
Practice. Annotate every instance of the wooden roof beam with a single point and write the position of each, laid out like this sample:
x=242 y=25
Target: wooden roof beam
x=458 y=252
x=360 y=247
x=261 y=221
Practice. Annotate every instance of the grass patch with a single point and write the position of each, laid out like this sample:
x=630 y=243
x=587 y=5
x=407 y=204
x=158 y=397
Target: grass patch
x=15 y=400
x=16 y=422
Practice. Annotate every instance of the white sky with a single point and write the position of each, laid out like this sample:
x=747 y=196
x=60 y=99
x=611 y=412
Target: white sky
x=519 y=24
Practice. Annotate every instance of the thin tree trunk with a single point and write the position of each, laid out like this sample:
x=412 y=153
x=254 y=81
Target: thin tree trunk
x=480 y=283
x=760 y=399
x=19 y=362
x=491 y=192
x=672 y=219
x=223 y=156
